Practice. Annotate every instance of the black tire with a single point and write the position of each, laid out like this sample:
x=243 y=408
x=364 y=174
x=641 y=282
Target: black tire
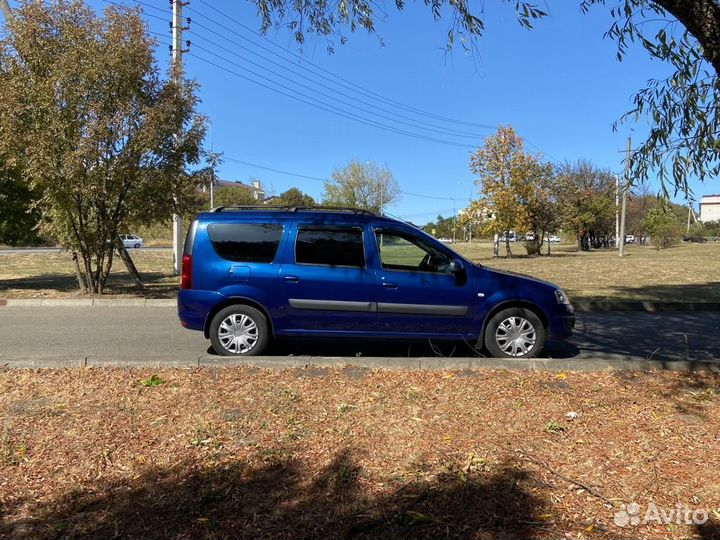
x=231 y=347
x=137 y=246
x=510 y=348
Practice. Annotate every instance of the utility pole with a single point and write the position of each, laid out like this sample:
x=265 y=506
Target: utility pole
x=624 y=195
x=177 y=75
x=454 y=218
x=617 y=211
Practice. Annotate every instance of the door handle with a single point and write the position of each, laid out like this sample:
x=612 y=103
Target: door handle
x=292 y=279
x=389 y=285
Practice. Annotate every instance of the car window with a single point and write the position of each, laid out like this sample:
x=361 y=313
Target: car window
x=403 y=251
x=336 y=246
x=246 y=242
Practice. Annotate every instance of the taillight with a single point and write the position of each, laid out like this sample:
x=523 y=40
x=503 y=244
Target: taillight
x=186 y=279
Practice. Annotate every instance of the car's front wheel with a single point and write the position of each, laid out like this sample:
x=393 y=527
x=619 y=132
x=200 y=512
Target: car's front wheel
x=514 y=333
x=239 y=331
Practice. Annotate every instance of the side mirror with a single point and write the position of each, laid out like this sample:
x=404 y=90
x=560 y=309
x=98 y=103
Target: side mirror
x=456 y=266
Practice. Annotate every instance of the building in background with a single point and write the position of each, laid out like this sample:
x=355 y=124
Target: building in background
x=710 y=208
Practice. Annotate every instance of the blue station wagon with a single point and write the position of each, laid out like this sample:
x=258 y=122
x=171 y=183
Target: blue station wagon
x=250 y=274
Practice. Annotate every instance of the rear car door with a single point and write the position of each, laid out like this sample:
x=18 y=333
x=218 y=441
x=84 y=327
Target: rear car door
x=418 y=294
x=328 y=285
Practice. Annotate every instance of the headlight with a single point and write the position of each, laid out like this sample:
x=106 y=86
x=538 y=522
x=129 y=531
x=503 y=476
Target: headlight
x=561 y=298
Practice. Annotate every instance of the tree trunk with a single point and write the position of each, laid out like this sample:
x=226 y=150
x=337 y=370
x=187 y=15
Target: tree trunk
x=132 y=270
x=508 y=251
x=81 y=280
x=702 y=20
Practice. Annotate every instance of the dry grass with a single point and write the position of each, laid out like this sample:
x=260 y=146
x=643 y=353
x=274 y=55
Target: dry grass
x=52 y=275
x=684 y=273
x=353 y=453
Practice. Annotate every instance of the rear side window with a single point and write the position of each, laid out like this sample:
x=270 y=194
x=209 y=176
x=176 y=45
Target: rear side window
x=190 y=238
x=330 y=246
x=246 y=242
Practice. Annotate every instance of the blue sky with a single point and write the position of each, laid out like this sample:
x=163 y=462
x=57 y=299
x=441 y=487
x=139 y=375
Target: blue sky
x=559 y=85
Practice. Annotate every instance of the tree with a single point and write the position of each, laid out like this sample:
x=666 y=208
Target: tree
x=512 y=184
x=92 y=128
x=294 y=197
x=586 y=199
x=362 y=185
x=663 y=226
x=239 y=195
x=442 y=226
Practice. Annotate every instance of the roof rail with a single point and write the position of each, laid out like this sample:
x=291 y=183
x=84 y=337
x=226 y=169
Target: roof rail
x=283 y=208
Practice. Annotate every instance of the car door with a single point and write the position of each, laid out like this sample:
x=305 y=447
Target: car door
x=418 y=293
x=328 y=285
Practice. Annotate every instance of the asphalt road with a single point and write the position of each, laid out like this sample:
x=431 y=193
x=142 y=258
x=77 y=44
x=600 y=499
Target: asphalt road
x=154 y=334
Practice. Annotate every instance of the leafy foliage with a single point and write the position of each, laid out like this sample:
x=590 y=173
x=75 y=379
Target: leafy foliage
x=683 y=107
x=663 y=226
x=362 y=185
x=442 y=226
x=515 y=187
x=586 y=197
x=102 y=141
x=294 y=197
x=327 y=19
x=153 y=380
x=18 y=215
x=239 y=195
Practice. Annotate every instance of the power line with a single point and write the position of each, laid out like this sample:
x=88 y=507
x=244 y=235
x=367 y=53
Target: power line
x=319 y=179
x=414 y=122
x=356 y=88
x=324 y=106
x=311 y=89
x=347 y=84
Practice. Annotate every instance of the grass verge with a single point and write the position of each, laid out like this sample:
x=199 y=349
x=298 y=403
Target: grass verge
x=354 y=453
x=687 y=273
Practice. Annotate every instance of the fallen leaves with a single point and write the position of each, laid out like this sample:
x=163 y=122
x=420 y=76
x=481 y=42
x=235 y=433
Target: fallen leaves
x=246 y=452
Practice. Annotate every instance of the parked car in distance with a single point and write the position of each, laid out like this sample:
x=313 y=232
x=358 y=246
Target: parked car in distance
x=553 y=239
x=510 y=237
x=132 y=241
x=445 y=240
x=251 y=274
x=530 y=237
x=629 y=238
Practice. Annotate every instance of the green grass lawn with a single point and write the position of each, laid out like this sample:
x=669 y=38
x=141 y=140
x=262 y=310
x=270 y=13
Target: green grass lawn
x=688 y=272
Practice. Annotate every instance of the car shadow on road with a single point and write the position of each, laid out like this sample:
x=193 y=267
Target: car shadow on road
x=396 y=349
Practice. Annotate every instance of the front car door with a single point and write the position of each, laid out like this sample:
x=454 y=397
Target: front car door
x=328 y=285
x=418 y=294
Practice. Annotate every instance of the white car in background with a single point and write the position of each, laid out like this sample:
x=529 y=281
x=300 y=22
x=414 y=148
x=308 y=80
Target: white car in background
x=553 y=239
x=132 y=241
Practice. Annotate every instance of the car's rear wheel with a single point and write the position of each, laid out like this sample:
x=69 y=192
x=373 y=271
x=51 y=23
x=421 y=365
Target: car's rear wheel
x=514 y=333
x=239 y=331
x=136 y=246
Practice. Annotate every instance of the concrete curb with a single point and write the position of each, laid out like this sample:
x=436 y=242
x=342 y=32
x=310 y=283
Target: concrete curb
x=87 y=302
x=581 y=306
x=608 y=363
